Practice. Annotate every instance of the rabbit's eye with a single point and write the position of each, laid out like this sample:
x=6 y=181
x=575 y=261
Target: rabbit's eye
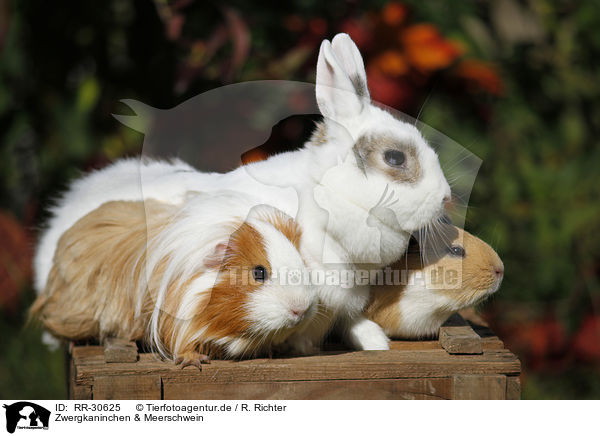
x=394 y=158
x=259 y=273
x=457 y=251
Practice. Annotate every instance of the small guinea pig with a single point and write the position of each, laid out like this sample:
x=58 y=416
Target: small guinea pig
x=193 y=284
x=456 y=274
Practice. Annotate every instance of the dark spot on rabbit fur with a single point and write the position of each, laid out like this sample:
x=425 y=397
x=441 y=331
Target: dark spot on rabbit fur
x=319 y=135
x=359 y=86
x=369 y=151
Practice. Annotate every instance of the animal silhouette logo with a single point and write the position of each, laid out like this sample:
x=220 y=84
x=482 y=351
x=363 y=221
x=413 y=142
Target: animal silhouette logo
x=26 y=415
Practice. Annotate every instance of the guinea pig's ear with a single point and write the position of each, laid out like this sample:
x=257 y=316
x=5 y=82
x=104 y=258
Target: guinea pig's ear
x=216 y=258
x=341 y=88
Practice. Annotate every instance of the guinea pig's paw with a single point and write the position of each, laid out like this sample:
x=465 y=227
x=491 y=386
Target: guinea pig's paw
x=192 y=358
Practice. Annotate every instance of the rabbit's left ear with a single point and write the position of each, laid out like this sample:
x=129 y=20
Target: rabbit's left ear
x=341 y=79
x=352 y=62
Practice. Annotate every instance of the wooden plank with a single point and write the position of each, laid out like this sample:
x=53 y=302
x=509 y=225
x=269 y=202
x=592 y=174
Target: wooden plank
x=81 y=354
x=142 y=387
x=460 y=340
x=80 y=392
x=487 y=343
x=513 y=388
x=492 y=343
x=118 y=350
x=479 y=387
x=360 y=365
x=77 y=391
x=398 y=389
x=414 y=345
x=457 y=337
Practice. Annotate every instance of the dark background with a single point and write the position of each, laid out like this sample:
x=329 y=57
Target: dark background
x=515 y=82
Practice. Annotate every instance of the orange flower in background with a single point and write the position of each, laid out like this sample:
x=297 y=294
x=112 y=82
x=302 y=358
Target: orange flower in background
x=390 y=91
x=394 y=14
x=426 y=49
x=391 y=63
x=401 y=57
x=480 y=74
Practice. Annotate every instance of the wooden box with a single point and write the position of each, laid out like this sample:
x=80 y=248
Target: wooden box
x=466 y=362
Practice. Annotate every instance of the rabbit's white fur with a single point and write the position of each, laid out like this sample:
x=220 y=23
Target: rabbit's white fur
x=324 y=172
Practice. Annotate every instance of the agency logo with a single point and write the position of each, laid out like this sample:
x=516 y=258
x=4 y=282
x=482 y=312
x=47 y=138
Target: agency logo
x=26 y=415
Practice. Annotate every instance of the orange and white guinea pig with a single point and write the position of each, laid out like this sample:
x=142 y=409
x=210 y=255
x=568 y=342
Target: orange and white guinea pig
x=195 y=281
x=429 y=285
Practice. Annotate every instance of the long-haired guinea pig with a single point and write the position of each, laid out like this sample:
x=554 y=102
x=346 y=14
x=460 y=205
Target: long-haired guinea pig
x=458 y=271
x=195 y=281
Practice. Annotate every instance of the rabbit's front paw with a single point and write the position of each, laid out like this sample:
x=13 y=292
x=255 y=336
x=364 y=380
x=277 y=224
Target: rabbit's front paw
x=364 y=334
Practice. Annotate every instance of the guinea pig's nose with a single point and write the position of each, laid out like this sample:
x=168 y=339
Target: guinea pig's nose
x=499 y=270
x=297 y=312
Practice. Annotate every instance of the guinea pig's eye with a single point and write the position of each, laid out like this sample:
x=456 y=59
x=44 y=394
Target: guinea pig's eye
x=457 y=251
x=394 y=158
x=259 y=273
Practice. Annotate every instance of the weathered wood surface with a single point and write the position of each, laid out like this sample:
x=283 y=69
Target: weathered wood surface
x=120 y=350
x=513 y=388
x=394 y=389
x=143 y=387
x=457 y=337
x=401 y=373
x=409 y=370
x=479 y=387
x=356 y=365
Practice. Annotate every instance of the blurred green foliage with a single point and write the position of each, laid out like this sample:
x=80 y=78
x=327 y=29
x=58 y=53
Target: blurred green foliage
x=65 y=65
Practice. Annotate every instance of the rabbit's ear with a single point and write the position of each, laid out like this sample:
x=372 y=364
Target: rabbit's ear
x=351 y=61
x=341 y=80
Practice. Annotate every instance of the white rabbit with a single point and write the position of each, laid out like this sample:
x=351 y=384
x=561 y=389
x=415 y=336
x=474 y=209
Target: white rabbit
x=360 y=159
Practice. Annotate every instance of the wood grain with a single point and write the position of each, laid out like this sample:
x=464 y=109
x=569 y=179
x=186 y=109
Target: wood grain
x=120 y=350
x=146 y=387
x=457 y=337
x=410 y=370
x=348 y=366
x=513 y=388
x=395 y=389
x=479 y=387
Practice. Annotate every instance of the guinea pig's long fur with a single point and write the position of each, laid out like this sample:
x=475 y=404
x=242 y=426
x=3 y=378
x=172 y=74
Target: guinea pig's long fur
x=353 y=202
x=149 y=270
x=435 y=288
